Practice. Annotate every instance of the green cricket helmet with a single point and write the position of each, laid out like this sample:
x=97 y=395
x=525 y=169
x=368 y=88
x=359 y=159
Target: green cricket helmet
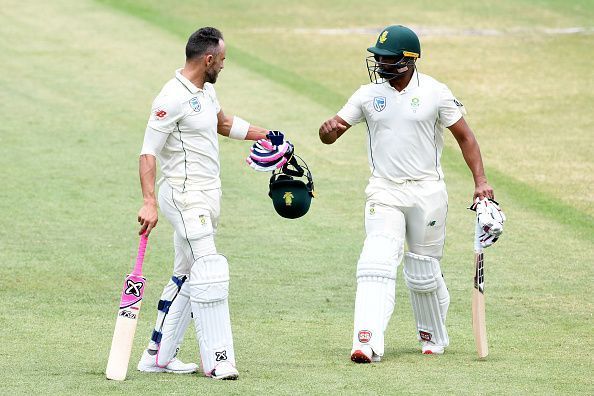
x=403 y=48
x=290 y=195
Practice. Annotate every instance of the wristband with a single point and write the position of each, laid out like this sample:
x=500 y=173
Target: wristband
x=239 y=128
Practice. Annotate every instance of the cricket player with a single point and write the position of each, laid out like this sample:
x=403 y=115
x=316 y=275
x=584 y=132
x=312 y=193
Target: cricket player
x=406 y=200
x=182 y=133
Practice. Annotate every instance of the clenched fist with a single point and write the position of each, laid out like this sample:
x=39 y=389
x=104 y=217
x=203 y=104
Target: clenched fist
x=332 y=129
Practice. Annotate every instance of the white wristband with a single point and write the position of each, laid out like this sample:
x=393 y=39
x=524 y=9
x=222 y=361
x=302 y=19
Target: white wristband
x=239 y=128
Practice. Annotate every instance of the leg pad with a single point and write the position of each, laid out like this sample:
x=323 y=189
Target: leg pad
x=429 y=297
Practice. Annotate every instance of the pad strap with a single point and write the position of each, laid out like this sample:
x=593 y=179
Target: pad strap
x=175 y=323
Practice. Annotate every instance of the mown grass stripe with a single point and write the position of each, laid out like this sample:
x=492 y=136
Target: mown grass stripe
x=530 y=198
x=523 y=193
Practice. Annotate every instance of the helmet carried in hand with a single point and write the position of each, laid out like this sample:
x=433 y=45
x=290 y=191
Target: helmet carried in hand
x=291 y=196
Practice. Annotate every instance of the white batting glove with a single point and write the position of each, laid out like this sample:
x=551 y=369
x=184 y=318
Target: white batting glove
x=490 y=218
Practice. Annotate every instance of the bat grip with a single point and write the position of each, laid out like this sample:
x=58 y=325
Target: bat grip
x=140 y=257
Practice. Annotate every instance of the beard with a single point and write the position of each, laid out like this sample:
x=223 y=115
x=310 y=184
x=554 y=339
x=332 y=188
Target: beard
x=211 y=76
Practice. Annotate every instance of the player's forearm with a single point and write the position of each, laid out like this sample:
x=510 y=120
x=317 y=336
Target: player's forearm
x=256 y=133
x=470 y=150
x=237 y=128
x=147 y=169
x=472 y=155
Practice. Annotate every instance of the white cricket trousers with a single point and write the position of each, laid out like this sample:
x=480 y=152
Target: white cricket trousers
x=194 y=216
x=414 y=211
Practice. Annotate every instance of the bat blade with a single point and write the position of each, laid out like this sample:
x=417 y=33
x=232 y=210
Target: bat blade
x=127 y=319
x=479 y=325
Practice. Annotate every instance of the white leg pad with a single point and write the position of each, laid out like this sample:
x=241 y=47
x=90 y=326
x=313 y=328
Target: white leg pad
x=209 y=292
x=168 y=299
x=376 y=288
x=429 y=297
x=174 y=326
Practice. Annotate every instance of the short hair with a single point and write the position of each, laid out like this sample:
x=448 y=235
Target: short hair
x=202 y=41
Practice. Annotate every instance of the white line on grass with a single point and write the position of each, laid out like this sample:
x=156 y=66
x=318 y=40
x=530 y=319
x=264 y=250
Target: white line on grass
x=437 y=31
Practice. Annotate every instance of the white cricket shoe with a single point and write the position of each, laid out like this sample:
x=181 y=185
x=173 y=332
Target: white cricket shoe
x=430 y=348
x=224 y=371
x=148 y=364
x=364 y=354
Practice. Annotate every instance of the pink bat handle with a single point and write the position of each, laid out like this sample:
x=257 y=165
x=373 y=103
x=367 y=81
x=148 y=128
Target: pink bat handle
x=140 y=257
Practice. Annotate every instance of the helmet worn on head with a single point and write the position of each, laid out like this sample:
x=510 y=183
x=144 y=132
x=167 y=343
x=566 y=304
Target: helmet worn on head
x=290 y=195
x=398 y=43
x=397 y=40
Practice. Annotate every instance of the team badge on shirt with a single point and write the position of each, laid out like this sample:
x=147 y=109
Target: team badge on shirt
x=379 y=103
x=195 y=104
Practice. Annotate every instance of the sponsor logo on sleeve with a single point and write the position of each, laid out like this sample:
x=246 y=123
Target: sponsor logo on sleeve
x=460 y=106
x=160 y=114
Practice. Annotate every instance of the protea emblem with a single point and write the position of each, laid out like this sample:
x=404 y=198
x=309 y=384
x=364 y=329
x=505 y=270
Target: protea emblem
x=288 y=197
x=195 y=104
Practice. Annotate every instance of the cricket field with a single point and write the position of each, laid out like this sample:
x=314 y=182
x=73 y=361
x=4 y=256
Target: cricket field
x=76 y=83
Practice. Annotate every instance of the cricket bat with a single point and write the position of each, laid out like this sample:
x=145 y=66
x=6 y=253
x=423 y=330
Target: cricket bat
x=479 y=325
x=127 y=319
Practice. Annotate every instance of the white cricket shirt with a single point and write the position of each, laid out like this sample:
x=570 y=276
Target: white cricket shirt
x=405 y=128
x=188 y=116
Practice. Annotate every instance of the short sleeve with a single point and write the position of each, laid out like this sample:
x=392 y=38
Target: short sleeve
x=165 y=113
x=450 y=109
x=352 y=112
x=153 y=141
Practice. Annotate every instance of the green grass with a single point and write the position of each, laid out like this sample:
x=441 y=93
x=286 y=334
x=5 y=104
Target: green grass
x=76 y=91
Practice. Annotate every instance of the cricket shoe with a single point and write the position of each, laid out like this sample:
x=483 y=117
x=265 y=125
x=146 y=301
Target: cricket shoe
x=430 y=348
x=364 y=354
x=148 y=364
x=224 y=371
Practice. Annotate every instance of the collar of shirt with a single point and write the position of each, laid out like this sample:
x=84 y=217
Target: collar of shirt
x=186 y=83
x=413 y=83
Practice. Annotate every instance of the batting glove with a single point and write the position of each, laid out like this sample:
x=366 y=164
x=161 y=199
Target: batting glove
x=490 y=218
x=265 y=156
